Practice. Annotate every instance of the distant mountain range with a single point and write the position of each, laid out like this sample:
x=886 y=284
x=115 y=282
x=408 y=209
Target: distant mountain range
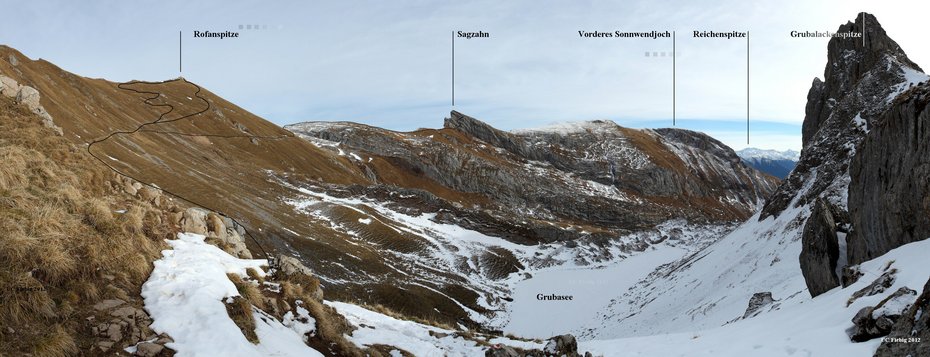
x=772 y=162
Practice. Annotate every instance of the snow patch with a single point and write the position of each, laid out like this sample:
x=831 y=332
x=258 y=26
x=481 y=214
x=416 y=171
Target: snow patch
x=184 y=296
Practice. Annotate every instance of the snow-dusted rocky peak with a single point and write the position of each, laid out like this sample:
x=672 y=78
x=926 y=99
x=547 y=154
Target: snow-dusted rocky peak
x=860 y=81
x=863 y=80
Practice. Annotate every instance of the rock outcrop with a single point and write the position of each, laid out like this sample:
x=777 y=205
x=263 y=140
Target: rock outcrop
x=757 y=303
x=820 y=250
x=877 y=321
x=291 y=267
x=909 y=335
x=29 y=97
x=118 y=323
x=229 y=235
x=562 y=346
x=226 y=233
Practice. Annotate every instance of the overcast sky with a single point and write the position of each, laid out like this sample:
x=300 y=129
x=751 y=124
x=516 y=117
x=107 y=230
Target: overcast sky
x=388 y=63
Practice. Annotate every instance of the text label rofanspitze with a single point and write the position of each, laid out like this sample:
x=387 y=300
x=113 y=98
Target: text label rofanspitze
x=469 y=35
x=219 y=35
x=715 y=34
x=621 y=34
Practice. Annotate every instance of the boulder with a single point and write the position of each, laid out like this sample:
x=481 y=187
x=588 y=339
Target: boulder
x=150 y=195
x=499 y=350
x=129 y=187
x=851 y=275
x=290 y=266
x=29 y=97
x=871 y=322
x=228 y=232
x=148 y=349
x=8 y=86
x=877 y=286
x=820 y=250
x=194 y=220
x=199 y=221
x=757 y=303
x=562 y=345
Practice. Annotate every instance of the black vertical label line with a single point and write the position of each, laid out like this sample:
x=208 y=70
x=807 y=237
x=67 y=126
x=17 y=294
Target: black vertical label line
x=674 y=79
x=453 y=68
x=863 y=30
x=180 y=53
x=747 y=87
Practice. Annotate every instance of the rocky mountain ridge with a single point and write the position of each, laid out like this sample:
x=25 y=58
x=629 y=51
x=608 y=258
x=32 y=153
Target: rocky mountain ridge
x=608 y=176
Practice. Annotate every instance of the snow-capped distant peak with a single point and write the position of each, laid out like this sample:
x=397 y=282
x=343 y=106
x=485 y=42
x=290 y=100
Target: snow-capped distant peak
x=756 y=153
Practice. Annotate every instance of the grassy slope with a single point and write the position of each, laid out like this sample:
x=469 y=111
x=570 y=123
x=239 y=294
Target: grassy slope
x=62 y=247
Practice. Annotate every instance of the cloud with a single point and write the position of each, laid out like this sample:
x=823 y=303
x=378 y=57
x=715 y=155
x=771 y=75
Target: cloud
x=389 y=63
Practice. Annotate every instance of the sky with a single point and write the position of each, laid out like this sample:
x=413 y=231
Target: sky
x=389 y=63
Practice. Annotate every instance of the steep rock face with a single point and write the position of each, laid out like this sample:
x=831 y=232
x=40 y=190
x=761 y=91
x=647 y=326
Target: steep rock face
x=862 y=80
x=598 y=173
x=889 y=194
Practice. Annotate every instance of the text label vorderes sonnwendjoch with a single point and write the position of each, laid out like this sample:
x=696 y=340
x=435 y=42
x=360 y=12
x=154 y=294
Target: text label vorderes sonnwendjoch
x=622 y=34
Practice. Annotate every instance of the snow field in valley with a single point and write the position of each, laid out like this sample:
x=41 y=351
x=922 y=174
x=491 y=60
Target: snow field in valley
x=803 y=327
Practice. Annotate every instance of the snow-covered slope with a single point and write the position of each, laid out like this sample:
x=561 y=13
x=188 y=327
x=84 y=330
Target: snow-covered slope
x=711 y=286
x=186 y=292
x=503 y=274
x=794 y=327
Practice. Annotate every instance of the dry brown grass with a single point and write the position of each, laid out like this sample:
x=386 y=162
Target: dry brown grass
x=57 y=343
x=384 y=310
x=240 y=311
x=332 y=327
x=255 y=275
x=248 y=290
x=60 y=238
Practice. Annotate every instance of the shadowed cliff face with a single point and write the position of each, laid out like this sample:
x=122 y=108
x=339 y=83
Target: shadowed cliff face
x=861 y=139
x=889 y=194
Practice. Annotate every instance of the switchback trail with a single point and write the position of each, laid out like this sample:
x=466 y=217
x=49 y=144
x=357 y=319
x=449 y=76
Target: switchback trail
x=145 y=127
